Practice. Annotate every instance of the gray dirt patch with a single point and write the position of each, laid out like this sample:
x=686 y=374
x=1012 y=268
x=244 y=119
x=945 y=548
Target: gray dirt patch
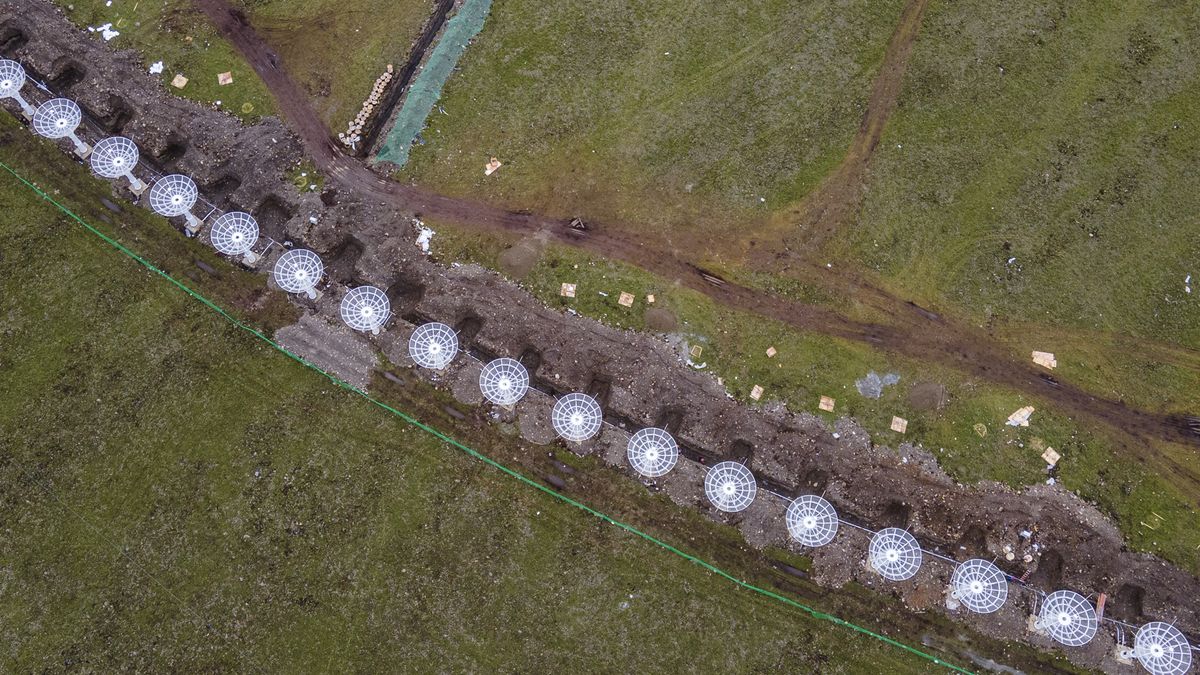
x=335 y=349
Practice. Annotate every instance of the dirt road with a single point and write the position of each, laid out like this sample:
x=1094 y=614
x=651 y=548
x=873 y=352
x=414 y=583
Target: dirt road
x=918 y=334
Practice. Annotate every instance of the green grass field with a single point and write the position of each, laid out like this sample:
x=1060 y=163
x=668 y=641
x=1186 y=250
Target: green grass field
x=1064 y=139
x=180 y=497
x=678 y=115
x=336 y=49
x=174 y=32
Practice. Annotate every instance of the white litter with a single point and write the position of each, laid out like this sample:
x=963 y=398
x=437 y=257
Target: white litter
x=1187 y=283
x=1020 y=418
x=156 y=67
x=423 y=239
x=105 y=31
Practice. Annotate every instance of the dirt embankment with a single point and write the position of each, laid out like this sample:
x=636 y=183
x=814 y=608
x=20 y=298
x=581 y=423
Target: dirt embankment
x=638 y=377
x=382 y=119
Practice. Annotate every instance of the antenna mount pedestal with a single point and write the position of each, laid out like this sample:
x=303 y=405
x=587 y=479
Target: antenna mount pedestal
x=193 y=224
x=83 y=150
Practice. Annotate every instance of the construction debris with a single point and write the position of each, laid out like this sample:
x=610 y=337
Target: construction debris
x=353 y=134
x=872 y=385
x=696 y=351
x=490 y=167
x=899 y=424
x=1020 y=418
x=756 y=392
x=1045 y=360
x=626 y=299
x=568 y=290
x=179 y=82
x=224 y=78
x=1050 y=456
x=424 y=236
x=650 y=299
x=826 y=404
x=771 y=352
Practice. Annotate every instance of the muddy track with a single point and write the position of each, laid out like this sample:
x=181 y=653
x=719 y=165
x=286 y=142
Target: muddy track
x=921 y=335
x=821 y=213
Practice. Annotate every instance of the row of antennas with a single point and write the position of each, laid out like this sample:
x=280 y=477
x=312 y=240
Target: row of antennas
x=895 y=554
x=1065 y=616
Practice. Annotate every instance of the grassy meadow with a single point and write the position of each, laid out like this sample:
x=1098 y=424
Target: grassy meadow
x=694 y=118
x=1039 y=171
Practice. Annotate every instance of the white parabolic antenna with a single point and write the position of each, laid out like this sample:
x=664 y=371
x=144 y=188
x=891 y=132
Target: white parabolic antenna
x=233 y=233
x=652 y=452
x=895 y=554
x=59 y=118
x=175 y=195
x=1162 y=649
x=1068 y=618
x=979 y=585
x=504 y=381
x=116 y=157
x=576 y=417
x=12 y=78
x=730 y=486
x=366 y=308
x=433 y=345
x=299 y=271
x=811 y=520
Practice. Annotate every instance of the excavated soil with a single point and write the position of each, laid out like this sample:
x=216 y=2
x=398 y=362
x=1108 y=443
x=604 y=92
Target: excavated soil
x=638 y=376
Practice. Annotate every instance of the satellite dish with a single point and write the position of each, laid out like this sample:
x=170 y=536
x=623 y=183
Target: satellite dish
x=433 y=345
x=1162 y=649
x=59 y=118
x=12 y=78
x=504 y=381
x=366 y=308
x=895 y=554
x=116 y=157
x=652 y=452
x=175 y=195
x=576 y=417
x=811 y=520
x=1068 y=618
x=979 y=585
x=233 y=233
x=299 y=271
x=730 y=487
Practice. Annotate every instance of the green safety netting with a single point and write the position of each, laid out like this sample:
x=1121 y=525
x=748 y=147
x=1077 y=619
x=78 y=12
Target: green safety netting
x=427 y=85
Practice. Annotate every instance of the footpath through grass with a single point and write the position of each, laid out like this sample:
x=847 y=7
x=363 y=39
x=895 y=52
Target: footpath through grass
x=179 y=496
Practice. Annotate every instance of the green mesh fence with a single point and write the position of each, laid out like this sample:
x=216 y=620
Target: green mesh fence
x=427 y=86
